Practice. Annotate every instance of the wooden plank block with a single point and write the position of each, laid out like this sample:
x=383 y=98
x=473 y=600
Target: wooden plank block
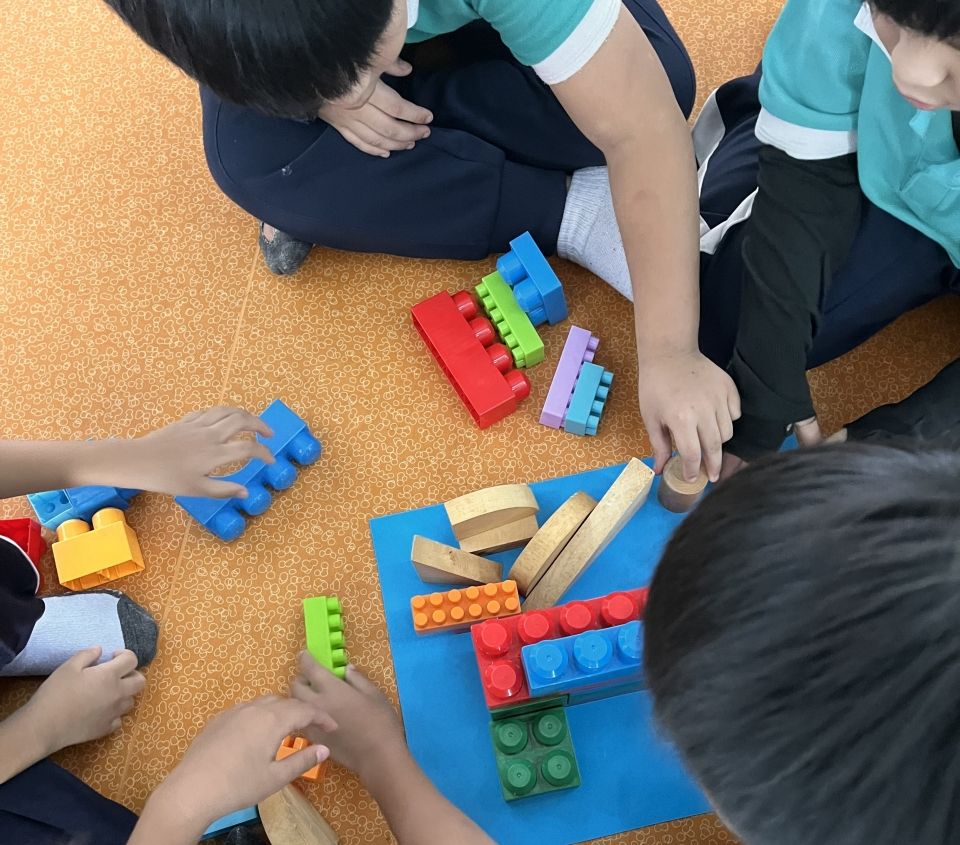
x=482 y=510
x=288 y=818
x=545 y=546
x=504 y=537
x=613 y=511
x=677 y=494
x=437 y=563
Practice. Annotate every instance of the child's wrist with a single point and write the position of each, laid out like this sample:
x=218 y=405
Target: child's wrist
x=103 y=462
x=390 y=763
x=169 y=811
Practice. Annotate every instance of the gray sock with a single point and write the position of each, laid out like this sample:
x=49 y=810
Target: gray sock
x=76 y=621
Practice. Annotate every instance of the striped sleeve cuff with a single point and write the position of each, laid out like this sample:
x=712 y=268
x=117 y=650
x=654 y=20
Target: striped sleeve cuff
x=804 y=143
x=582 y=44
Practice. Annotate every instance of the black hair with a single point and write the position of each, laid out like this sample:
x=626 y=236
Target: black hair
x=936 y=18
x=802 y=646
x=281 y=57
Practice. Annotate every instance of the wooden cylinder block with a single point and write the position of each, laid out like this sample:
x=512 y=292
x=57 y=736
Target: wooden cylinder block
x=675 y=493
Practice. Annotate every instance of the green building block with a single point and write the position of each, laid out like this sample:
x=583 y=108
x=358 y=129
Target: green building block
x=534 y=754
x=324 y=625
x=512 y=323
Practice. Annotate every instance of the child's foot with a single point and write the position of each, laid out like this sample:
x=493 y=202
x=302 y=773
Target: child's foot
x=283 y=254
x=73 y=622
x=589 y=234
x=81 y=700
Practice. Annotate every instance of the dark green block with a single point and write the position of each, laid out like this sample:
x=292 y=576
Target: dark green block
x=530 y=706
x=534 y=753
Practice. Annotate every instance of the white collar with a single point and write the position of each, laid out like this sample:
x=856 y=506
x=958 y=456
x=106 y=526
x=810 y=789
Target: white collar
x=863 y=21
x=413 y=11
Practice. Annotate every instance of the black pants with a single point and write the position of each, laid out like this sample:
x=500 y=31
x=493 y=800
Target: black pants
x=495 y=164
x=892 y=268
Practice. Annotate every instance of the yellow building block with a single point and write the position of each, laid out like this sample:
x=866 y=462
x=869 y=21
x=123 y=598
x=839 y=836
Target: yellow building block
x=88 y=557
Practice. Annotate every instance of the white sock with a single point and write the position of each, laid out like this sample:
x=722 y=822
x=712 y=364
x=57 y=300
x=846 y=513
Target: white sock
x=80 y=620
x=589 y=234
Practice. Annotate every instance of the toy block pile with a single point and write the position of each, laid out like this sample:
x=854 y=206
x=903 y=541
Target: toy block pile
x=95 y=544
x=535 y=661
x=520 y=295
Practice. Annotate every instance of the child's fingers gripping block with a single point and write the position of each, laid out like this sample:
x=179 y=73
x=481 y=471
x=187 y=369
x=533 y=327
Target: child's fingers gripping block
x=293 y=744
x=291 y=442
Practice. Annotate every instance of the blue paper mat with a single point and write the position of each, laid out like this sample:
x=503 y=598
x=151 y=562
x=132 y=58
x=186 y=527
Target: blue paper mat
x=630 y=778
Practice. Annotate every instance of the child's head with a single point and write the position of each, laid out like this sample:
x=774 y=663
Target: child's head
x=923 y=39
x=283 y=57
x=803 y=647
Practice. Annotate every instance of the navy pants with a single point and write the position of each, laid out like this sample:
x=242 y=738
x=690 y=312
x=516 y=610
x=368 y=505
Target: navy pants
x=45 y=805
x=892 y=268
x=495 y=164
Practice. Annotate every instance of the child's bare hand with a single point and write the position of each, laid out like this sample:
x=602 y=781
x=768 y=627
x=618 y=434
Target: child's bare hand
x=81 y=700
x=382 y=123
x=367 y=725
x=808 y=432
x=231 y=764
x=179 y=458
x=686 y=397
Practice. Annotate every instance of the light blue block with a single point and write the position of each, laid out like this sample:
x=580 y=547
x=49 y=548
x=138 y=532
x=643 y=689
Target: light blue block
x=588 y=400
x=291 y=442
x=55 y=507
x=240 y=818
x=604 y=659
x=535 y=286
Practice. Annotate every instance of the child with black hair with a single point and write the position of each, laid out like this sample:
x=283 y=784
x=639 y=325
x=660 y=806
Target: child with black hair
x=89 y=643
x=561 y=117
x=802 y=646
x=830 y=198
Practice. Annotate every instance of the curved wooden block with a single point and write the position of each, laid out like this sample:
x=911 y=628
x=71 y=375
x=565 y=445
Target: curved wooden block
x=503 y=537
x=612 y=512
x=677 y=494
x=288 y=818
x=437 y=563
x=553 y=536
x=482 y=510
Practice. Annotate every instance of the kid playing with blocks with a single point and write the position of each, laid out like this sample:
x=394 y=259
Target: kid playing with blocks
x=89 y=643
x=444 y=128
x=829 y=200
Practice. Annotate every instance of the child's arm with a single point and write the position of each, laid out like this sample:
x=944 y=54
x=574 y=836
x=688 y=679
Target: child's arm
x=622 y=101
x=369 y=741
x=176 y=459
x=79 y=702
x=230 y=765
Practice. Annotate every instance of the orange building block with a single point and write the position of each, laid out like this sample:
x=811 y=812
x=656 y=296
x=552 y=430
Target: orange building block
x=293 y=744
x=458 y=609
x=88 y=557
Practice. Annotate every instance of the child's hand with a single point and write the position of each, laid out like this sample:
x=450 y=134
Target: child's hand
x=231 y=764
x=367 y=725
x=178 y=458
x=81 y=701
x=808 y=432
x=686 y=396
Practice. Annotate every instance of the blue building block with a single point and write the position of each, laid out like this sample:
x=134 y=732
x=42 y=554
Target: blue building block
x=535 y=285
x=588 y=400
x=594 y=660
x=57 y=506
x=241 y=818
x=291 y=441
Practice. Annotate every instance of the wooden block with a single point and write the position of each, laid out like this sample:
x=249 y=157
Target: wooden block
x=510 y=536
x=482 y=510
x=288 y=818
x=613 y=511
x=437 y=563
x=546 y=545
x=676 y=493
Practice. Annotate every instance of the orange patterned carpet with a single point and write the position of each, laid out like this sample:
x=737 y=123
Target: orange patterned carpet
x=133 y=293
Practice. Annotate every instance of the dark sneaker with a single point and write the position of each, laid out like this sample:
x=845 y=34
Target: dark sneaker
x=284 y=255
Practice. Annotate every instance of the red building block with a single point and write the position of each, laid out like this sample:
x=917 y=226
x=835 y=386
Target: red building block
x=497 y=642
x=26 y=534
x=480 y=370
